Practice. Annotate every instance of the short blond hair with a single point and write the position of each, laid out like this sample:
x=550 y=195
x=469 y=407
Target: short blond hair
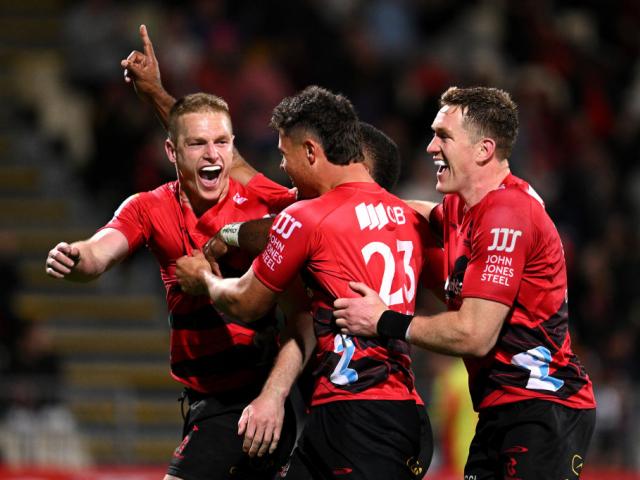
x=195 y=103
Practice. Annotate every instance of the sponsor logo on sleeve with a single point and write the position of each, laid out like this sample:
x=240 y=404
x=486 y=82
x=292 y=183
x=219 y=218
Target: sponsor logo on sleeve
x=285 y=224
x=283 y=228
x=498 y=268
x=504 y=239
x=272 y=254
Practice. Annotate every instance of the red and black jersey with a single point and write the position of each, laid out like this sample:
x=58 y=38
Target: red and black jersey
x=506 y=249
x=355 y=232
x=210 y=352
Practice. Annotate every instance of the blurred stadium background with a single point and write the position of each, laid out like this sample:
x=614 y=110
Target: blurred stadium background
x=85 y=386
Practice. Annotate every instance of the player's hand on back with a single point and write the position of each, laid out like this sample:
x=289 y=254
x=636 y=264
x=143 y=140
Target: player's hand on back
x=190 y=273
x=142 y=69
x=359 y=315
x=61 y=260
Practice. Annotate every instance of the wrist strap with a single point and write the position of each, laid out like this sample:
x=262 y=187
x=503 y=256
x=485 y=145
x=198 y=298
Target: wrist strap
x=229 y=233
x=393 y=325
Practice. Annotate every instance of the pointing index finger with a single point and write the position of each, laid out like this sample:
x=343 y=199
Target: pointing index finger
x=146 y=41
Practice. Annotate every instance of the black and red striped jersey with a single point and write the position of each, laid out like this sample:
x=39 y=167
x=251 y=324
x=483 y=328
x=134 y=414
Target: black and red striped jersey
x=507 y=249
x=209 y=352
x=356 y=232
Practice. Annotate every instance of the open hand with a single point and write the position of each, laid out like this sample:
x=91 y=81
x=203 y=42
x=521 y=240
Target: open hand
x=261 y=423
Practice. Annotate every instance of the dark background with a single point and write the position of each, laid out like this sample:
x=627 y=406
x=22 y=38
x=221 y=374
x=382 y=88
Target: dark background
x=572 y=66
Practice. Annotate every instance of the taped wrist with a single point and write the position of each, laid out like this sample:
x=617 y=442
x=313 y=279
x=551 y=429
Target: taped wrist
x=229 y=233
x=393 y=325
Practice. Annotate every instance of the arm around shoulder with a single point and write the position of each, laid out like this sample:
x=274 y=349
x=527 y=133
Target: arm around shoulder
x=471 y=331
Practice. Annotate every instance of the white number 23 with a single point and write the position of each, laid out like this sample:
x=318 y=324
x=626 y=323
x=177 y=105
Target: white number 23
x=406 y=248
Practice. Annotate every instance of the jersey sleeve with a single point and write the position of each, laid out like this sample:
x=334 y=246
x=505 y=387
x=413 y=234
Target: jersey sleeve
x=274 y=195
x=131 y=221
x=287 y=250
x=500 y=240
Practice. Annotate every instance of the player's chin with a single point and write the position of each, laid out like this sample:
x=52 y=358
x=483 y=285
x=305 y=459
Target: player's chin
x=441 y=187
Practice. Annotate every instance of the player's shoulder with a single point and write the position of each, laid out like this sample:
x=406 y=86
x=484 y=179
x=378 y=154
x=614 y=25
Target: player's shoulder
x=514 y=193
x=152 y=199
x=159 y=197
x=166 y=190
x=307 y=209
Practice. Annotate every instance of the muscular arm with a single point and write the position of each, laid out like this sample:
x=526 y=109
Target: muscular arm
x=245 y=298
x=473 y=330
x=261 y=421
x=86 y=260
x=251 y=236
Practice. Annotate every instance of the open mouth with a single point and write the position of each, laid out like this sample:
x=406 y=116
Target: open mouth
x=210 y=173
x=442 y=166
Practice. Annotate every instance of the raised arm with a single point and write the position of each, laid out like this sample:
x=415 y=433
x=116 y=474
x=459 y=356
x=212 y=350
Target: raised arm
x=85 y=260
x=142 y=69
x=241 y=171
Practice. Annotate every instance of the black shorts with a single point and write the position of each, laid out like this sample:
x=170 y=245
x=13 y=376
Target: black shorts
x=530 y=440
x=211 y=448
x=363 y=439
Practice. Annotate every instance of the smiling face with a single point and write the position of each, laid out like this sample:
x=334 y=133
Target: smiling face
x=453 y=150
x=295 y=163
x=202 y=150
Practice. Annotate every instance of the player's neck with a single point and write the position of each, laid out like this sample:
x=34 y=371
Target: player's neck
x=484 y=182
x=354 y=172
x=198 y=205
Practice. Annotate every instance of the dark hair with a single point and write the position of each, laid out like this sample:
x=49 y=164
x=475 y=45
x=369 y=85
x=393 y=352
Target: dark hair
x=487 y=112
x=384 y=154
x=195 y=103
x=329 y=117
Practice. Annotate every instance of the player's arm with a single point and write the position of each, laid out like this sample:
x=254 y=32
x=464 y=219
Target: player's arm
x=261 y=421
x=87 y=259
x=241 y=171
x=143 y=71
x=251 y=236
x=245 y=298
x=473 y=330
x=423 y=207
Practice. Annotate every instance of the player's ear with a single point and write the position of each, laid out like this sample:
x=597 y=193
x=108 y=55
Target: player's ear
x=486 y=150
x=170 y=150
x=311 y=150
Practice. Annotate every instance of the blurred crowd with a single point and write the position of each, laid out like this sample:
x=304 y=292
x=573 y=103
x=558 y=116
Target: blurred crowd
x=572 y=66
